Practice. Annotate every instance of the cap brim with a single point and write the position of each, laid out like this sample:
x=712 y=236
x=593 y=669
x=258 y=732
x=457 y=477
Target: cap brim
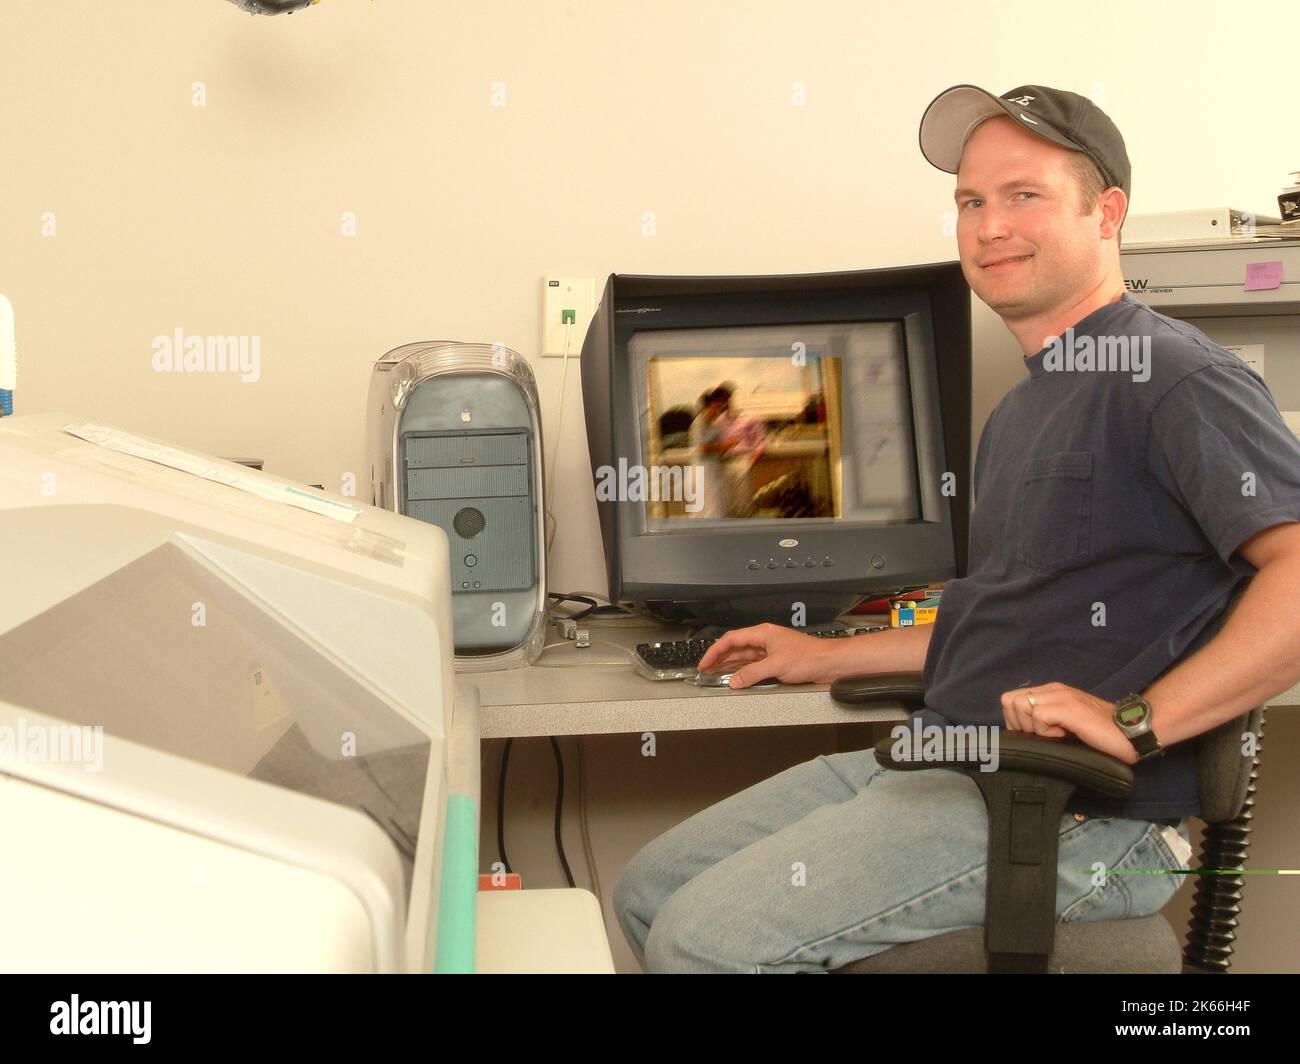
x=953 y=115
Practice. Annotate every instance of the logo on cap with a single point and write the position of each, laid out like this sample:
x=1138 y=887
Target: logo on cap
x=1023 y=101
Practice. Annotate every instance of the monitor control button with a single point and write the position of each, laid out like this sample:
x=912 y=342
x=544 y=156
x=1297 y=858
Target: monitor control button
x=752 y=564
x=811 y=563
x=771 y=564
x=827 y=563
x=471 y=560
x=790 y=563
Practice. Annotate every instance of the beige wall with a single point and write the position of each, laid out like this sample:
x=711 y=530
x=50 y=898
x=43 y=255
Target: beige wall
x=225 y=219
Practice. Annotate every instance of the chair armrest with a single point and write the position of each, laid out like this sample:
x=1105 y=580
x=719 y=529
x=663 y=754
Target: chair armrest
x=905 y=687
x=1025 y=797
x=1061 y=759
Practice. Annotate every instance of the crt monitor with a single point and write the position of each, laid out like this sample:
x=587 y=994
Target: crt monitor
x=775 y=448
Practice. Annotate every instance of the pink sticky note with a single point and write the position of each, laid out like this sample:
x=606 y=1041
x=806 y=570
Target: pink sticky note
x=1261 y=276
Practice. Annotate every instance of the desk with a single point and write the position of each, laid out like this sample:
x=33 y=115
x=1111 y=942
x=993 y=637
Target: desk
x=565 y=695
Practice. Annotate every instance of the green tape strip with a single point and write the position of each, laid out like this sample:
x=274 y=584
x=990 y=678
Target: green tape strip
x=458 y=897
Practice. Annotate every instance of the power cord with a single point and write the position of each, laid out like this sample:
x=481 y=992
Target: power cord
x=501 y=806
x=605 y=610
x=625 y=655
x=559 y=809
x=591 y=604
x=552 y=525
x=571 y=631
x=588 y=850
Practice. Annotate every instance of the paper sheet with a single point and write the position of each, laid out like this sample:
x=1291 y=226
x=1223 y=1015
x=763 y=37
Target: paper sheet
x=1251 y=354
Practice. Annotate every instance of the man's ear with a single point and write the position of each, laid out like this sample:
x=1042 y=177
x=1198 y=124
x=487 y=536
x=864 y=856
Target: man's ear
x=1114 y=207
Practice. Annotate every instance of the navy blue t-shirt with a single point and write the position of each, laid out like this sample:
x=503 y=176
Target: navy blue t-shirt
x=1115 y=495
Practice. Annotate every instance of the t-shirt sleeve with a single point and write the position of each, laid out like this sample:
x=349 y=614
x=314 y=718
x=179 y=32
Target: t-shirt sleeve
x=1220 y=448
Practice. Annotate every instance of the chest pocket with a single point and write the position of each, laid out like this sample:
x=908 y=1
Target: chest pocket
x=1053 y=521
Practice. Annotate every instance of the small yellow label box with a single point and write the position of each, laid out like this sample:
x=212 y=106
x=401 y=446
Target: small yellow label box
x=904 y=613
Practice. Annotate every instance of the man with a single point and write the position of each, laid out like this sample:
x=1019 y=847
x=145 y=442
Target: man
x=1116 y=510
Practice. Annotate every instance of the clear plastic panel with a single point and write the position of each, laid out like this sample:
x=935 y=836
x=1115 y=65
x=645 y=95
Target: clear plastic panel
x=166 y=653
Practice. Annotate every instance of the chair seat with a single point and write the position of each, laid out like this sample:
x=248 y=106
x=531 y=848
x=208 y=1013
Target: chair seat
x=1144 y=945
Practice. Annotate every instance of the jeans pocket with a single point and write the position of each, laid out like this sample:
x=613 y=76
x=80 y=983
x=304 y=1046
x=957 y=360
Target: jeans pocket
x=1135 y=886
x=1160 y=843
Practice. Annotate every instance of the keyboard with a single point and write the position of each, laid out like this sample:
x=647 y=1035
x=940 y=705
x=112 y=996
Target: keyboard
x=679 y=659
x=675 y=659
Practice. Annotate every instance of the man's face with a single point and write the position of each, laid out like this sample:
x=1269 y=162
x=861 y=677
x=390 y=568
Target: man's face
x=1026 y=249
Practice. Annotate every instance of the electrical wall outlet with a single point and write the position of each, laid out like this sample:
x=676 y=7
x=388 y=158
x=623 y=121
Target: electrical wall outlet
x=561 y=294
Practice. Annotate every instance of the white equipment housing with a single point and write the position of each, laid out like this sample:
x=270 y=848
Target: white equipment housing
x=282 y=763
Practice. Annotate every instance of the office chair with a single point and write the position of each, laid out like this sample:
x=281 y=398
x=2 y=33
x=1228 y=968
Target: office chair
x=1026 y=798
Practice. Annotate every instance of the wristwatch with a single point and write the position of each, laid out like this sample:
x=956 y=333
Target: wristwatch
x=1133 y=717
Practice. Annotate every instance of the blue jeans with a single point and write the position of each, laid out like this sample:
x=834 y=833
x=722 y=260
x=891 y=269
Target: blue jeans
x=838 y=858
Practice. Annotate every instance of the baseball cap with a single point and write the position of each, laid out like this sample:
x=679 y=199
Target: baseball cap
x=1064 y=118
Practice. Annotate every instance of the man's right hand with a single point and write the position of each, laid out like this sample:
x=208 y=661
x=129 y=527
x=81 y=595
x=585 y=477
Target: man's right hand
x=768 y=651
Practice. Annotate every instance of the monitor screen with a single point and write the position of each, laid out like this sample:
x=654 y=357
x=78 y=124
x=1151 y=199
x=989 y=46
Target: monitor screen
x=775 y=423
x=771 y=449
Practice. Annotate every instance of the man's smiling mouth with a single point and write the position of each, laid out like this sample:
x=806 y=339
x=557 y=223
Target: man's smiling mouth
x=1005 y=262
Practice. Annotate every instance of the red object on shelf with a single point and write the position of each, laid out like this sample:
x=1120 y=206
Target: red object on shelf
x=512 y=882
x=881 y=605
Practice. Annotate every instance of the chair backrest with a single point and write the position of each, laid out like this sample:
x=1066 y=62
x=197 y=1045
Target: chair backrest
x=1224 y=766
x=1224 y=761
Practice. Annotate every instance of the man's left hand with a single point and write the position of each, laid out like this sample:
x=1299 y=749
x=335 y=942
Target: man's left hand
x=1057 y=709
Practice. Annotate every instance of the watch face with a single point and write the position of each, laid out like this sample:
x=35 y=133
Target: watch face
x=1135 y=713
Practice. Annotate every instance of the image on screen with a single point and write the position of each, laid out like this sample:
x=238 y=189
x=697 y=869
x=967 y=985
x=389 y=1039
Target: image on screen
x=775 y=423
